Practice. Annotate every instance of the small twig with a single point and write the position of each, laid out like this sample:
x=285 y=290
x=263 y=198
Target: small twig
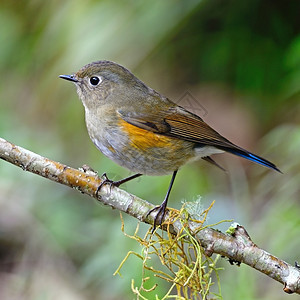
x=237 y=245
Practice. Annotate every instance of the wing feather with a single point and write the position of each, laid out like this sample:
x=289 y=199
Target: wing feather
x=177 y=122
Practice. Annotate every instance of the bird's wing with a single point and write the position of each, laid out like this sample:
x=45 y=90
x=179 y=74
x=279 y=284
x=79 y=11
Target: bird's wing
x=177 y=122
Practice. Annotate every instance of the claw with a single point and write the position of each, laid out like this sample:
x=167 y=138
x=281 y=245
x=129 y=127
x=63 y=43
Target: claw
x=105 y=180
x=158 y=220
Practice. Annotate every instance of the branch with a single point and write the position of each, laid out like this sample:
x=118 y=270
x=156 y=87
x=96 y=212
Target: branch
x=237 y=246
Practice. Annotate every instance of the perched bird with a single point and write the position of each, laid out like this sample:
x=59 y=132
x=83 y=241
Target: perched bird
x=142 y=130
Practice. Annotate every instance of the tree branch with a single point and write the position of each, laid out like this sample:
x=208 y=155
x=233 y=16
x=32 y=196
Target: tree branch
x=237 y=246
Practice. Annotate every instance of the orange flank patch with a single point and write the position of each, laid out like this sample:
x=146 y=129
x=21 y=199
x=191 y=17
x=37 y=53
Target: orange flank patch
x=144 y=139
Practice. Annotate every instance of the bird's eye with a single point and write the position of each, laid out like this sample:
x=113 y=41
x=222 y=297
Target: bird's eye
x=95 y=80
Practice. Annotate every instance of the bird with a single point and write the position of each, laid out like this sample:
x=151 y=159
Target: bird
x=144 y=131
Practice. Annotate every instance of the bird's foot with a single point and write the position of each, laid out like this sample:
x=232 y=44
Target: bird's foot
x=114 y=183
x=161 y=211
x=106 y=180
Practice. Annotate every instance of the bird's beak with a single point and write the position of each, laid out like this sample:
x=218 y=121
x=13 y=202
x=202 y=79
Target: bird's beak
x=68 y=77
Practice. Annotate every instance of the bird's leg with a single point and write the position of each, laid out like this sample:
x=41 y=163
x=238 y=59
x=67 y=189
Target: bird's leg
x=115 y=183
x=162 y=208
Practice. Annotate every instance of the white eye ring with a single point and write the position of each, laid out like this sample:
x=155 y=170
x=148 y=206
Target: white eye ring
x=95 y=80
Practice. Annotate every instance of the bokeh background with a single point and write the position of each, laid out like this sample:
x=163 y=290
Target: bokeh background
x=239 y=61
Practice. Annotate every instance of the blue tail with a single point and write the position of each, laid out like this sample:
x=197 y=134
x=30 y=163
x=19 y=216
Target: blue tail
x=245 y=154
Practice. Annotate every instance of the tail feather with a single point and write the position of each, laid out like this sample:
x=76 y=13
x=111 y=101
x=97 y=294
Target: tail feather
x=255 y=158
x=210 y=160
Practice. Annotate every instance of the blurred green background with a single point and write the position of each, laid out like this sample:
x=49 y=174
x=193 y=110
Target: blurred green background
x=240 y=61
